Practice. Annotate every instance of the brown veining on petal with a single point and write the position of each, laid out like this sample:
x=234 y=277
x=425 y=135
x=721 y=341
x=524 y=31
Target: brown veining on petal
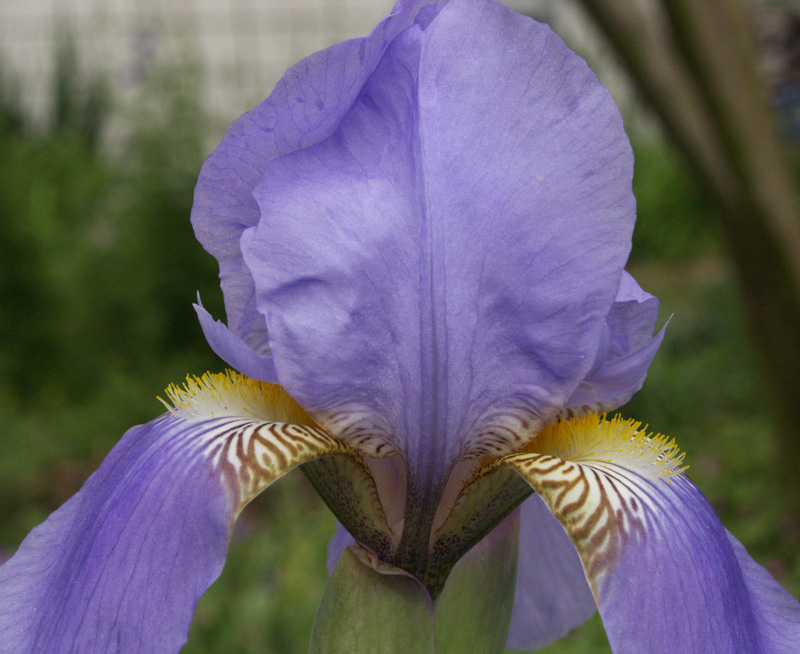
x=504 y=430
x=590 y=502
x=358 y=430
x=254 y=433
x=250 y=454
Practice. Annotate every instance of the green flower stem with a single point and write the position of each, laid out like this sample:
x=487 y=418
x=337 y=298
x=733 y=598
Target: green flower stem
x=473 y=613
x=367 y=612
x=371 y=607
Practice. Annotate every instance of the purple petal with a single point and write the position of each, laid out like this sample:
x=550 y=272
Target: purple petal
x=661 y=567
x=615 y=381
x=440 y=269
x=341 y=539
x=626 y=351
x=233 y=350
x=552 y=595
x=776 y=612
x=679 y=569
x=120 y=566
x=305 y=107
x=632 y=318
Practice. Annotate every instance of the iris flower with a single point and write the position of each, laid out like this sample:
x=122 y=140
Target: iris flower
x=422 y=237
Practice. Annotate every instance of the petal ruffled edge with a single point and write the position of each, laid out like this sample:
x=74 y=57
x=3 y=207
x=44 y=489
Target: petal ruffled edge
x=632 y=318
x=615 y=381
x=304 y=108
x=625 y=353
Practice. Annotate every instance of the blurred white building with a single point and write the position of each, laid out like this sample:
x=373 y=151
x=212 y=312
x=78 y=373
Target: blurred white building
x=242 y=46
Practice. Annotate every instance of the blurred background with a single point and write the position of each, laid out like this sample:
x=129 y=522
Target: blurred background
x=107 y=111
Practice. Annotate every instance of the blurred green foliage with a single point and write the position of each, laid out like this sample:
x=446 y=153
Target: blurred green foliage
x=98 y=271
x=675 y=221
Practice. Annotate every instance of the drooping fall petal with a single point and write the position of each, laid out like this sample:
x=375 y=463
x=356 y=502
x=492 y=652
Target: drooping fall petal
x=664 y=573
x=122 y=564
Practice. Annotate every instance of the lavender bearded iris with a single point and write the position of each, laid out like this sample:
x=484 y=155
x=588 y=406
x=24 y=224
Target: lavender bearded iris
x=421 y=237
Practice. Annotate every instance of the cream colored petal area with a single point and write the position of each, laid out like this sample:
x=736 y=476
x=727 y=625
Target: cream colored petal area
x=250 y=455
x=598 y=508
x=254 y=441
x=262 y=434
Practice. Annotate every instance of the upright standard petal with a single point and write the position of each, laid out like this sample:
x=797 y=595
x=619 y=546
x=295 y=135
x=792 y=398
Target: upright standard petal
x=120 y=567
x=437 y=273
x=662 y=569
x=614 y=381
x=305 y=107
